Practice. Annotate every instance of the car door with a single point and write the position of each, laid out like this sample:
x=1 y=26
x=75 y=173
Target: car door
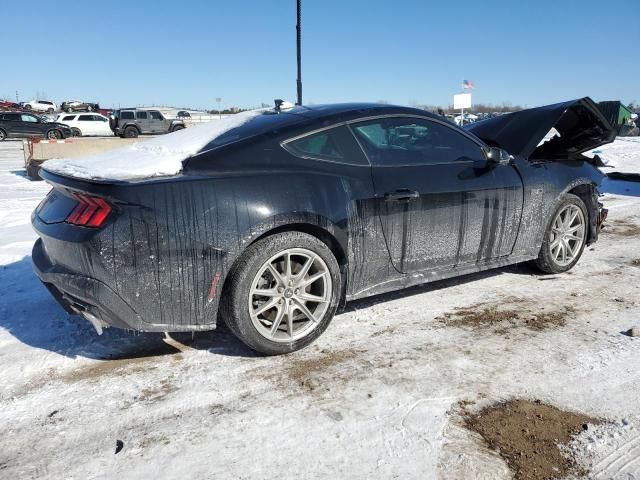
x=101 y=125
x=86 y=124
x=29 y=125
x=156 y=122
x=142 y=120
x=441 y=204
x=11 y=122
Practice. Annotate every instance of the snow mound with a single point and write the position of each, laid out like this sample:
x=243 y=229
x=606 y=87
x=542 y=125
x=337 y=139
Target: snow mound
x=160 y=156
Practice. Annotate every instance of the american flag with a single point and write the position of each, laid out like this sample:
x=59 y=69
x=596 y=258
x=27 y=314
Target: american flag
x=467 y=84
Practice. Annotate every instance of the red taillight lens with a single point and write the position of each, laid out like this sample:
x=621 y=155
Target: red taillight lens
x=90 y=211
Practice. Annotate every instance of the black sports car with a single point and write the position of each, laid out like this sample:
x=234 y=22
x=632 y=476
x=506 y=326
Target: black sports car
x=277 y=222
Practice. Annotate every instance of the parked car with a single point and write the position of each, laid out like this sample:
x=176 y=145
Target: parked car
x=40 y=106
x=183 y=114
x=132 y=122
x=279 y=220
x=7 y=105
x=24 y=125
x=78 y=106
x=86 y=124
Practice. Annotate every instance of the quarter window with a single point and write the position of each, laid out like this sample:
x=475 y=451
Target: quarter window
x=320 y=145
x=413 y=141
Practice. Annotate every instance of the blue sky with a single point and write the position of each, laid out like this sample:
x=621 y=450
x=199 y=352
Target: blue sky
x=187 y=53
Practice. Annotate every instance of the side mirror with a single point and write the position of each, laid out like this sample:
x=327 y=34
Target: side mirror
x=497 y=155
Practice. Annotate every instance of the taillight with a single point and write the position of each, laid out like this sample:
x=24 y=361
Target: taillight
x=90 y=211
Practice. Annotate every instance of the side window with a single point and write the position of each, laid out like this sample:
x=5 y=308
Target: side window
x=29 y=118
x=85 y=118
x=12 y=117
x=155 y=115
x=126 y=116
x=141 y=115
x=321 y=145
x=69 y=118
x=334 y=144
x=98 y=118
x=413 y=141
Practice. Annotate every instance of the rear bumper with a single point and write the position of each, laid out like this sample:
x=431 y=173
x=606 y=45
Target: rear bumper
x=82 y=295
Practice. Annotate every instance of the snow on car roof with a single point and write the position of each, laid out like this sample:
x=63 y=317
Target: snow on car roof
x=160 y=156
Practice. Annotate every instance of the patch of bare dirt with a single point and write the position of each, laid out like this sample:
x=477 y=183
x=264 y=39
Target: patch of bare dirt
x=529 y=436
x=385 y=331
x=625 y=227
x=308 y=372
x=123 y=366
x=155 y=393
x=513 y=312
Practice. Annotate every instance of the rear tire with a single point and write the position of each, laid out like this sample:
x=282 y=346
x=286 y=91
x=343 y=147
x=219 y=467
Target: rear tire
x=76 y=132
x=3 y=135
x=298 y=318
x=564 y=243
x=89 y=108
x=131 y=132
x=69 y=110
x=177 y=127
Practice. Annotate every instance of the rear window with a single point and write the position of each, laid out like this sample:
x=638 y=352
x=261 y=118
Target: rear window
x=268 y=122
x=126 y=115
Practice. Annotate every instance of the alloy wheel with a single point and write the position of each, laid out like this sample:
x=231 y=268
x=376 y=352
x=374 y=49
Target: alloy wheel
x=567 y=235
x=53 y=135
x=290 y=295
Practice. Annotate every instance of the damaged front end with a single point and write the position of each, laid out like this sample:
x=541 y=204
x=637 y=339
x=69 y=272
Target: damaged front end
x=562 y=131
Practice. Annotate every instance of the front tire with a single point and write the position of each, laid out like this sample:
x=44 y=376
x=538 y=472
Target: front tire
x=3 y=135
x=54 y=135
x=283 y=293
x=565 y=237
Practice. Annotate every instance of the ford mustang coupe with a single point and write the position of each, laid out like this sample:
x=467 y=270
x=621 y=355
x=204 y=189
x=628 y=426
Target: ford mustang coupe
x=271 y=220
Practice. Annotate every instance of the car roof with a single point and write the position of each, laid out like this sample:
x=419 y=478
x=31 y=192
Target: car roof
x=348 y=111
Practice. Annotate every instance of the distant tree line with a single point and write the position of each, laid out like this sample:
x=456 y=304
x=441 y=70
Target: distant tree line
x=476 y=108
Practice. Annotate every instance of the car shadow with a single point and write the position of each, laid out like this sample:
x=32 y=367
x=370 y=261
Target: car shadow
x=30 y=314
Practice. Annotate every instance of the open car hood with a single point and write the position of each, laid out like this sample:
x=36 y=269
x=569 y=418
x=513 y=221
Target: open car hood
x=580 y=125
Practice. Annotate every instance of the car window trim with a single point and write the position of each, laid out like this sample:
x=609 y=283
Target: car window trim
x=285 y=144
x=401 y=115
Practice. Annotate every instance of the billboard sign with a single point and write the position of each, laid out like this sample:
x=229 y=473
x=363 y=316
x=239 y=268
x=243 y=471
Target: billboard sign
x=462 y=100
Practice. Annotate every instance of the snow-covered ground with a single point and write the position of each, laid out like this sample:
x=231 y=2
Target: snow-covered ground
x=375 y=397
x=621 y=155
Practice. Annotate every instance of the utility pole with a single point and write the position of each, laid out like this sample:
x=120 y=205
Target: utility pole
x=299 y=102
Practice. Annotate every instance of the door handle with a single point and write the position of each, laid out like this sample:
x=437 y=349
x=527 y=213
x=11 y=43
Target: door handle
x=401 y=195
